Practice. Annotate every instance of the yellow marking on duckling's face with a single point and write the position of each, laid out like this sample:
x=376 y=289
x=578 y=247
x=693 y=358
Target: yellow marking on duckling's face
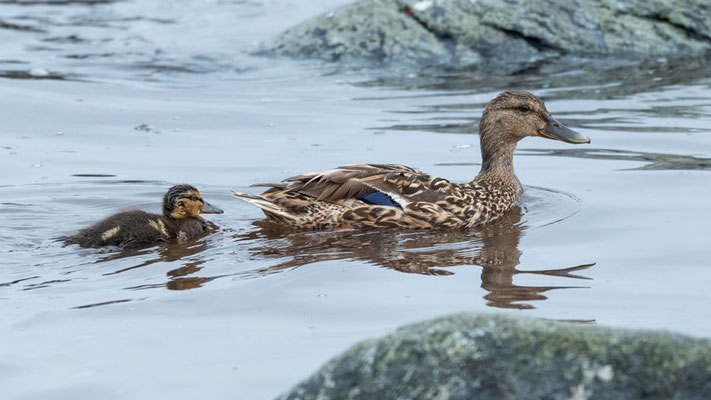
x=159 y=226
x=110 y=233
x=188 y=205
x=189 y=193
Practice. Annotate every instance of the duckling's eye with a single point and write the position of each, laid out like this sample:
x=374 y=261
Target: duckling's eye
x=193 y=197
x=524 y=108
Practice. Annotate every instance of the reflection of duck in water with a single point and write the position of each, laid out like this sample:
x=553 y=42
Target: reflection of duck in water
x=180 y=221
x=396 y=196
x=494 y=248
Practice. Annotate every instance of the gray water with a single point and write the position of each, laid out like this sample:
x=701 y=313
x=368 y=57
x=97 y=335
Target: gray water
x=106 y=104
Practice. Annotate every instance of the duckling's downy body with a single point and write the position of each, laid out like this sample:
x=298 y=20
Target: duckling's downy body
x=396 y=196
x=128 y=229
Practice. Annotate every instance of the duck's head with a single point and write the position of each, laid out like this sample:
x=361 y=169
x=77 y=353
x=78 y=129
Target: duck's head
x=184 y=201
x=513 y=115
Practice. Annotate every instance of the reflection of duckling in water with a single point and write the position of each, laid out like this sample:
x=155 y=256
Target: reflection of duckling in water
x=134 y=228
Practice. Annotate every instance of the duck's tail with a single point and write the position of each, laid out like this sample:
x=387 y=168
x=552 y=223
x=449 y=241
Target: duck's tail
x=265 y=204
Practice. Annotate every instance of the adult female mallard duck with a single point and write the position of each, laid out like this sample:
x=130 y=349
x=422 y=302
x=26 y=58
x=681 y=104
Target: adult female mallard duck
x=127 y=229
x=396 y=196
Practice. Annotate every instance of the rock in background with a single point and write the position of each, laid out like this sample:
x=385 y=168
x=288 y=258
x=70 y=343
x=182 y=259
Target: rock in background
x=496 y=357
x=507 y=34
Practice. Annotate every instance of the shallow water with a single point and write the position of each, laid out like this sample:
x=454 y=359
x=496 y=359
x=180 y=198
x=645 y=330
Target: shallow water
x=106 y=104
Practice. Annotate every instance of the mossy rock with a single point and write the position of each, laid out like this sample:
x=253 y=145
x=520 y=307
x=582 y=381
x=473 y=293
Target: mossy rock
x=470 y=356
x=503 y=34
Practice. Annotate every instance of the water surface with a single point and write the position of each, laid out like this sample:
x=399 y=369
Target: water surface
x=108 y=103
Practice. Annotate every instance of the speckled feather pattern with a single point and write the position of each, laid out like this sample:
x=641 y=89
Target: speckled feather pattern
x=410 y=199
x=426 y=202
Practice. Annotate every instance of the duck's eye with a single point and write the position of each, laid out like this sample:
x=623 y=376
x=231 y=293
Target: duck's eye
x=524 y=108
x=193 y=197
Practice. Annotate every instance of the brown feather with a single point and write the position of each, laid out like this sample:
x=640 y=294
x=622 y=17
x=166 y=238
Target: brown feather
x=332 y=198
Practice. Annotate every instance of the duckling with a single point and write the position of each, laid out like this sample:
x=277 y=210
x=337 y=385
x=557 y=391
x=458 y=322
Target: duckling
x=396 y=196
x=135 y=228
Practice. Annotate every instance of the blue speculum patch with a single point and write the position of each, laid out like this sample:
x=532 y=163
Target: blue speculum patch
x=378 y=199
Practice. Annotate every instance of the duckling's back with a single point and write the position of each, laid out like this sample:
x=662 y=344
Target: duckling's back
x=125 y=229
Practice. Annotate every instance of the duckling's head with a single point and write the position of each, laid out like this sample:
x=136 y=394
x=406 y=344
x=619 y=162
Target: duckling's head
x=184 y=201
x=513 y=115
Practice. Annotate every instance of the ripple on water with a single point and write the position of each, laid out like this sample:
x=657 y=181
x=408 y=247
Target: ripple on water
x=652 y=161
x=494 y=248
x=243 y=249
x=108 y=40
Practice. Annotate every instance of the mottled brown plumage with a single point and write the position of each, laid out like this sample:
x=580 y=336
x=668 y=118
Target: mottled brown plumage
x=396 y=196
x=130 y=229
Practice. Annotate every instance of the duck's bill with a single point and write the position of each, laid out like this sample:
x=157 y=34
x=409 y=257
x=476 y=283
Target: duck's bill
x=208 y=208
x=557 y=131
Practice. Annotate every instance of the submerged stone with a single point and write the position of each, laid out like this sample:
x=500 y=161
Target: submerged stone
x=509 y=34
x=499 y=357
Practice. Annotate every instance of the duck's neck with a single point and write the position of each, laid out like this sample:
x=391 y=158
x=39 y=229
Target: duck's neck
x=497 y=158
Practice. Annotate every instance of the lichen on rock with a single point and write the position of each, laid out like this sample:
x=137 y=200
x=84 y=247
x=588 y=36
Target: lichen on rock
x=470 y=356
x=507 y=34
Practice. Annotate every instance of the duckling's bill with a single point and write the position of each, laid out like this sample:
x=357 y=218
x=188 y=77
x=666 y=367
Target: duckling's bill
x=208 y=208
x=557 y=131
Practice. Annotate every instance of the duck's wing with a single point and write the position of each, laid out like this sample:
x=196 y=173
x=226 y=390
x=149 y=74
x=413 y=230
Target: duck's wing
x=379 y=184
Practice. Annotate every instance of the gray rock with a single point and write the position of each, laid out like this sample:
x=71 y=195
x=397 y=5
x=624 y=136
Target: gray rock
x=497 y=357
x=506 y=34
